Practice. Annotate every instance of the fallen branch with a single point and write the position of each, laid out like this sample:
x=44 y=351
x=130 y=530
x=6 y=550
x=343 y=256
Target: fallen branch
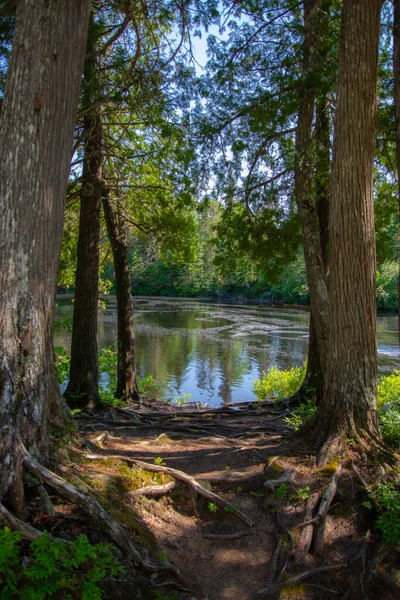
x=180 y=475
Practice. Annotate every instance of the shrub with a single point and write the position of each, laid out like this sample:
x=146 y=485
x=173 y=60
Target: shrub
x=301 y=414
x=279 y=384
x=386 y=497
x=50 y=568
x=389 y=407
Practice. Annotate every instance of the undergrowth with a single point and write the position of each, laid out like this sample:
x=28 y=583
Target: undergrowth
x=283 y=384
x=108 y=360
x=48 y=568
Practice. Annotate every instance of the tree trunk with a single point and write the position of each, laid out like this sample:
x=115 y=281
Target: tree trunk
x=396 y=77
x=83 y=385
x=36 y=129
x=306 y=204
x=313 y=384
x=348 y=404
x=127 y=389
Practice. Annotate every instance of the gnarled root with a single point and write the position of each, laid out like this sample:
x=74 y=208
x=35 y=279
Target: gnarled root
x=181 y=476
x=115 y=530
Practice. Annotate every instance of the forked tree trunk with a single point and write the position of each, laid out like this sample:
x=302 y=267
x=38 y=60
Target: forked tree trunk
x=348 y=404
x=396 y=78
x=36 y=130
x=127 y=389
x=83 y=385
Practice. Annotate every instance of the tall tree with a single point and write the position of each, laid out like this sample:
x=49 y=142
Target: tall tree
x=83 y=384
x=349 y=400
x=127 y=389
x=36 y=131
x=396 y=80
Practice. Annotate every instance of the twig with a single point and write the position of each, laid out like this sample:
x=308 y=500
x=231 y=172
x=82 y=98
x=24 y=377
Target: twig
x=308 y=525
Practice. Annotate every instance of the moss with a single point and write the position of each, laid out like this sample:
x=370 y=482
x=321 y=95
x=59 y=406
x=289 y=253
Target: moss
x=164 y=438
x=296 y=591
x=330 y=468
x=276 y=469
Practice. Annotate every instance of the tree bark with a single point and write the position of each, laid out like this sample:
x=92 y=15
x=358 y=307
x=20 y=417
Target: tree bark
x=305 y=200
x=396 y=89
x=348 y=405
x=127 y=389
x=36 y=129
x=83 y=385
x=313 y=384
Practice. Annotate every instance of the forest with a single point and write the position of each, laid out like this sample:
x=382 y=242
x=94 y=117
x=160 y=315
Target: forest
x=228 y=151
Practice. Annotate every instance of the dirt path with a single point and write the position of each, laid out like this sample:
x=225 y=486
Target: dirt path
x=233 y=453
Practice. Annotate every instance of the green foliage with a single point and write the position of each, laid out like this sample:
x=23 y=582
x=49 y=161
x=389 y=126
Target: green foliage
x=301 y=414
x=387 y=278
x=229 y=509
x=159 y=461
x=281 y=491
x=182 y=400
x=386 y=497
x=279 y=384
x=304 y=493
x=389 y=405
x=62 y=364
x=212 y=507
x=389 y=389
x=52 y=568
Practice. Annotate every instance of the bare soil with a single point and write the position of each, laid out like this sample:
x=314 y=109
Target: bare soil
x=232 y=452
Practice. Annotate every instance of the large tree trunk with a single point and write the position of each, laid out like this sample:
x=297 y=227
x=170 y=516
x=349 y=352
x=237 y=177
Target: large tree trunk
x=36 y=130
x=349 y=401
x=127 y=389
x=396 y=77
x=306 y=204
x=83 y=385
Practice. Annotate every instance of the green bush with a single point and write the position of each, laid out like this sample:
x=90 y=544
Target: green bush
x=50 y=569
x=386 y=497
x=389 y=394
x=389 y=389
x=279 y=384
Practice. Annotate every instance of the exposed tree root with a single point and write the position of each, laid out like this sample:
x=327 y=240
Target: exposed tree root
x=27 y=531
x=271 y=484
x=115 y=530
x=180 y=475
x=326 y=501
x=308 y=529
x=152 y=490
x=273 y=588
x=227 y=537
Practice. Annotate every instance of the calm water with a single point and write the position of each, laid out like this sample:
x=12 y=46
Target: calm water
x=215 y=351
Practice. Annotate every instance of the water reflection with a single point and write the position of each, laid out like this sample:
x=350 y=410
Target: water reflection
x=215 y=351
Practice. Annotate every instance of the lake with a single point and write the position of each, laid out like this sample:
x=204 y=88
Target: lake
x=215 y=351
